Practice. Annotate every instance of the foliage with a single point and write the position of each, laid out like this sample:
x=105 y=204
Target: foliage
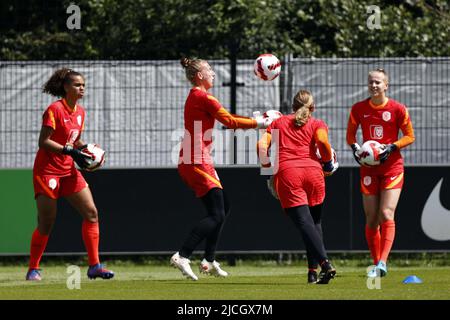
x=154 y=29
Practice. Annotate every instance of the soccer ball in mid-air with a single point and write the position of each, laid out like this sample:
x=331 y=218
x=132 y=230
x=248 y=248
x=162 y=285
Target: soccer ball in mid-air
x=333 y=156
x=97 y=156
x=369 y=154
x=267 y=67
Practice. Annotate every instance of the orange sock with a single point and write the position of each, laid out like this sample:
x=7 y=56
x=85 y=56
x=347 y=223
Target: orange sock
x=91 y=236
x=38 y=244
x=387 y=238
x=373 y=238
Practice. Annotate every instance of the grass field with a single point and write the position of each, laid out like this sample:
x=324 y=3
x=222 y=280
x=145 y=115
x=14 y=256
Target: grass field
x=247 y=281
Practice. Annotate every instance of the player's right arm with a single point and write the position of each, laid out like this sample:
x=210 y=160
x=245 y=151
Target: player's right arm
x=352 y=128
x=46 y=143
x=232 y=121
x=47 y=129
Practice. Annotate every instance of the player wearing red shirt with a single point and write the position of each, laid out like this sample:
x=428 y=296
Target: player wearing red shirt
x=380 y=119
x=196 y=168
x=299 y=180
x=55 y=175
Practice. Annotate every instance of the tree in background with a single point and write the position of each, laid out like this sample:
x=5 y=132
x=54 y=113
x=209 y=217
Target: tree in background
x=212 y=29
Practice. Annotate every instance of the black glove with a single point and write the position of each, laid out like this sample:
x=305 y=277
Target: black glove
x=271 y=187
x=330 y=167
x=355 y=149
x=387 y=150
x=79 y=157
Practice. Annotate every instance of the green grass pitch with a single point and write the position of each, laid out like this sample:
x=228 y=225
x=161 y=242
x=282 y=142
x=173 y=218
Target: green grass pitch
x=246 y=282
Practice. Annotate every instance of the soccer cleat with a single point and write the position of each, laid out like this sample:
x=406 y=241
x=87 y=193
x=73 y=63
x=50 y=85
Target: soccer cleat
x=381 y=266
x=312 y=276
x=212 y=269
x=327 y=273
x=373 y=273
x=380 y=270
x=183 y=264
x=33 y=275
x=98 y=271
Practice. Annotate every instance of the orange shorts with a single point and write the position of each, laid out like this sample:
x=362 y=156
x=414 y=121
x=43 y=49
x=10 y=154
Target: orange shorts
x=55 y=186
x=199 y=177
x=300 y=186
x=373 y=184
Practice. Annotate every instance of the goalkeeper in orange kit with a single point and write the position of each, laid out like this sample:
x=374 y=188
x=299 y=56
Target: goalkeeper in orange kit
x=380 y=119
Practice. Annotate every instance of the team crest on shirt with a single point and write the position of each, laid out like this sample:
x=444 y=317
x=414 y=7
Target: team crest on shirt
x=79 y=120
x=52 y=184
x=376 y=132
x=386 y=116
x=367 y=180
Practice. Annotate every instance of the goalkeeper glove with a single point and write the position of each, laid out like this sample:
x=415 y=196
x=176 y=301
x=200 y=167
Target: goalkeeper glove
x=387 y=150
x=79 y=157
x=329 y=168
x=356 y=148
x=261 y=122
x=271 y=187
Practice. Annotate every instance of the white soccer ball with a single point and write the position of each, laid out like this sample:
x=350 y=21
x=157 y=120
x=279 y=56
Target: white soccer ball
x=369 y=154
x=267 y=67
x=333 y=155
x=272 y=114
x=97 y=154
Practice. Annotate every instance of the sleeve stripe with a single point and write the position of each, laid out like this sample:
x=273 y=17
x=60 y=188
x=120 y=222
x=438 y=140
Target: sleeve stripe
x=52 y=119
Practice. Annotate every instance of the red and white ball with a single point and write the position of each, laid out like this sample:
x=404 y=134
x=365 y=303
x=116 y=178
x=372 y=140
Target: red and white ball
x=267 y=67
x=369 y=154
x=97 y=154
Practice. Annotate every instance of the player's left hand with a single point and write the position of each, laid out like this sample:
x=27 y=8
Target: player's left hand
x=262 y=123
x=271 y=187
x=330 y=167
x=387 y=149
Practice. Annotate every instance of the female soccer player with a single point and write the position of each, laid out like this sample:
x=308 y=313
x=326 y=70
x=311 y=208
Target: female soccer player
x=196 y=166
x=55 y=175
x=299 y=181
x=380 y=118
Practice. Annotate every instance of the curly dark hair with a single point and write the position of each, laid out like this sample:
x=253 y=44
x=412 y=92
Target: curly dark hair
x=55 y=85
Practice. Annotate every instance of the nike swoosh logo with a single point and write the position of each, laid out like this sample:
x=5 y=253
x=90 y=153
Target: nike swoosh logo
x=66 y=120
x=392 y=178
x=435 y=218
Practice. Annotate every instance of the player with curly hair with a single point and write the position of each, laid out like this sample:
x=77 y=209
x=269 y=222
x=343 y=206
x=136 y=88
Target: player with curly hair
x=55 y=174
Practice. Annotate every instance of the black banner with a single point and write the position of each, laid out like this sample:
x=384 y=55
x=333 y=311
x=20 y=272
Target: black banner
x=152 y=210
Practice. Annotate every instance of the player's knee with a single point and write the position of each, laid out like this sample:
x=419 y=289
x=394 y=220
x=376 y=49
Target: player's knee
x=387 y=214
x=45 y=225
x=91 y=214
x=219 y=218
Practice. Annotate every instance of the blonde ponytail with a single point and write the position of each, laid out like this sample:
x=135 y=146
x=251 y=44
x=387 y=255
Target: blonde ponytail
x=303 y=106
